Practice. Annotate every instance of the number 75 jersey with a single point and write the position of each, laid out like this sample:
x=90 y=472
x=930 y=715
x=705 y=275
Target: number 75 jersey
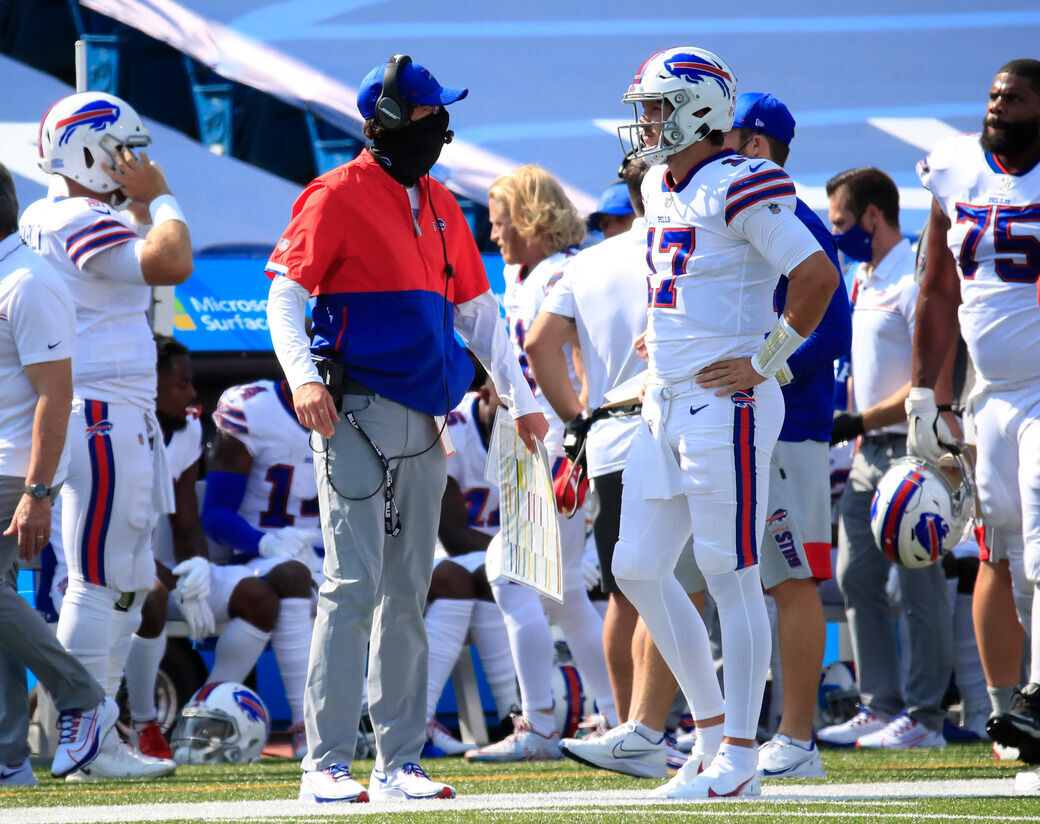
x=995 y=239
x=281 y=490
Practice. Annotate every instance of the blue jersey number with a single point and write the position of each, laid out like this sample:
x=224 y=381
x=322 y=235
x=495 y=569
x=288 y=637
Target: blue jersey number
x=476 y=500
x=680 y=242
x=277 y=513
x=1010 y=245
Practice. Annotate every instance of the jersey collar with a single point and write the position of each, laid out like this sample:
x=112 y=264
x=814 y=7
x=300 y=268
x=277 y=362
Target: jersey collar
x=994 y=163
x=668 y=183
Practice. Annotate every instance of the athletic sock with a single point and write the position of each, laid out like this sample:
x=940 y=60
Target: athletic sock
x=291 y=640
x=542 y=723
x=238 y=647
x=488 y=630
x=650 y=735
x=447 y=622
x=530 y=642
x=142 y=666
x=1000 y=698
x=746 y=645
x=708 y=741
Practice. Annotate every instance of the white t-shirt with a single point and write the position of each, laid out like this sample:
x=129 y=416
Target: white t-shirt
x=115 y=351
x=995 y=239
x=281 y=490
x=883 y=311
x=604 y=292
x=37 y=325
x=715 y=243
x=522 y=301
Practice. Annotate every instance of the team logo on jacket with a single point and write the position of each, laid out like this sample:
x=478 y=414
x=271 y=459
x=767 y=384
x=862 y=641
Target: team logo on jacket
x=102 y=428
x=96 y=115
x=283 y=244
x=743 y=399
x=439 y=225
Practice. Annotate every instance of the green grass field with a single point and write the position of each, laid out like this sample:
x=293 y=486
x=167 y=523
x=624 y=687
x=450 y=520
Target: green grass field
x=922 y=786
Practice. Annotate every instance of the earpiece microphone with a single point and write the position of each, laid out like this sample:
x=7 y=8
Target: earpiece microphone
x=449 y=136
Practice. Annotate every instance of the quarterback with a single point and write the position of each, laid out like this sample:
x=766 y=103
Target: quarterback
x=719 y=228
x=118 y=480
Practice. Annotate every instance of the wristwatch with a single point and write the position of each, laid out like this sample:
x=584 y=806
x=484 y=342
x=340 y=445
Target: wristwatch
x=38 y=491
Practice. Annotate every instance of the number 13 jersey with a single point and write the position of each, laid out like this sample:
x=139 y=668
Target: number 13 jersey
x=995 y=239
x=712 y=274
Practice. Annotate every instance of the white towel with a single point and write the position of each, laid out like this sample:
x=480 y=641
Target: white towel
x=162 y=479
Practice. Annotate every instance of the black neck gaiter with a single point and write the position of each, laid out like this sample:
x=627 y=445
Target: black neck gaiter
x=410 y=153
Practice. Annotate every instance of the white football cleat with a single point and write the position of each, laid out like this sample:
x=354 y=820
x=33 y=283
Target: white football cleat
x=693 y=767
x=80 y=736
x=117 y=759
x=1027 y=783
x=720 y=779
x=780 y=757
x=623 y=749
x=523 y=744
x=902 y=733
x=409 y=783
x=437 y=736
x=18 y=775
x=848 y=733
x=332 y=785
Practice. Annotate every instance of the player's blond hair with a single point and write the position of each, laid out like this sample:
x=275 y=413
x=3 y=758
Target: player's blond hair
x=538 y=208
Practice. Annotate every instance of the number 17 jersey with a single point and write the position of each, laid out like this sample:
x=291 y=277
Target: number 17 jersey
x=995 y=239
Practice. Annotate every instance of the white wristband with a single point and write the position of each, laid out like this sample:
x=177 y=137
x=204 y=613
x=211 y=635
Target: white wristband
x=782 y=342
x=164 y=208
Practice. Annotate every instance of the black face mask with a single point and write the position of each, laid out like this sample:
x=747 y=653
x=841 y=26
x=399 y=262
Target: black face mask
x=409 y=153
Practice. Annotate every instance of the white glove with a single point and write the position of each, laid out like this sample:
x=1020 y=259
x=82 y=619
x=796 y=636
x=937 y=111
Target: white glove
x=928 y=435
x=310 y=558
x=590 y=569
x=288 y=542
x=193 y=577
x=197 y=615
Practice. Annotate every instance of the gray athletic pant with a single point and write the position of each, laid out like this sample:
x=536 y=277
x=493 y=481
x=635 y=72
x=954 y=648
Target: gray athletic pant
x=26 y=642
x=862 y=572
x=375 y=585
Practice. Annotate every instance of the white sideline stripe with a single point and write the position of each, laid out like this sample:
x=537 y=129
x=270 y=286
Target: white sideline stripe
x=922 y=132
x=887 y=793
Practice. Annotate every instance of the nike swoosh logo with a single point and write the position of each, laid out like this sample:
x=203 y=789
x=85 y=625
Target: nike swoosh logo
x=5 y=775
x=52 y=345
x=756 y=168
x=698 y=409
x=619 y=751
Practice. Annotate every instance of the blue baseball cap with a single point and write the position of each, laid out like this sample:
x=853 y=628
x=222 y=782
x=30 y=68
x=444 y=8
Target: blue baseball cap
x=415 y=85
x=614 y=201
x=764 y=113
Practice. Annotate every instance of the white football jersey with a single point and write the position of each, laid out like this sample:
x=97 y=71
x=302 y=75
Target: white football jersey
x=995 y=239
x=710 y=289
x=281 y=490
x=466 y=466
x=604 y=292
x=115 y=352
x=522 y=300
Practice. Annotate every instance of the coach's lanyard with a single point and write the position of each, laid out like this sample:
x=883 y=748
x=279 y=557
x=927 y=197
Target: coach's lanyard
x=391 y=514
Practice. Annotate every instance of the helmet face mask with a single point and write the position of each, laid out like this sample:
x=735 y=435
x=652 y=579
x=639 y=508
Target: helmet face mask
x=222 y=723
x=81 y=133
x=697 y=93
x=921 y=511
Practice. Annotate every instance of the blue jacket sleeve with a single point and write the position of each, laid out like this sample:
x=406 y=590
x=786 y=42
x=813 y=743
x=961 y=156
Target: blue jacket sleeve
x=220 y=518
x=833 y=337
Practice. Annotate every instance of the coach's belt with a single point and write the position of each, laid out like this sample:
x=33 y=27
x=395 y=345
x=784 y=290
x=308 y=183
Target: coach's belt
x=353 y=387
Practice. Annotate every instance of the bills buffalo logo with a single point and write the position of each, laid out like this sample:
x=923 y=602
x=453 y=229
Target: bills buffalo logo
x=101 y=428
x=439 y=225
x=931 y=530
x=251 y=706
x=696 y=69
x=743 y=399
x=97 y=115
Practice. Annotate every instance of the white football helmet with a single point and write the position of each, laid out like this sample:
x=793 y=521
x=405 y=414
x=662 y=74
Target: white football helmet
x=700 y=90
x=919 y=513
x=80 y=132
x=223 y=722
